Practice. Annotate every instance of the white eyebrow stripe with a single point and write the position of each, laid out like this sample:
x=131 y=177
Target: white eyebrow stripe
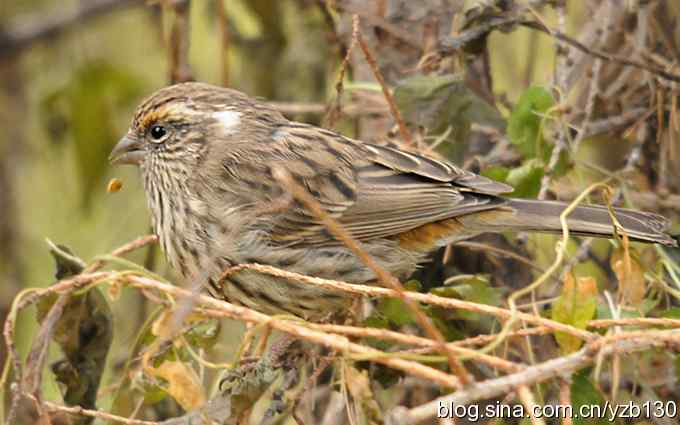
x=229 y=120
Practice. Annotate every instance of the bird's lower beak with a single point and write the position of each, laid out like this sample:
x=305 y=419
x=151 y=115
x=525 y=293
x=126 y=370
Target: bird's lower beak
x=129 y=150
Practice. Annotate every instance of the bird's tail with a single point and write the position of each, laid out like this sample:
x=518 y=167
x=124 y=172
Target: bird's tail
x=593 y=220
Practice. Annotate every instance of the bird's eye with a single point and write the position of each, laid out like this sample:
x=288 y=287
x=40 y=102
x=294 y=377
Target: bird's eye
x=158 y=132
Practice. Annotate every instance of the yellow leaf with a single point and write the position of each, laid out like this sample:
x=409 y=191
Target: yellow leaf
x=629 y=272
x=576 y=306
x=183 y=383
x=163 y=325
x=359 y=387
x=358 y=384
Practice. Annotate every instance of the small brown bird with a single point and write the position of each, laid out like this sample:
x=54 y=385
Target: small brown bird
x=206 y=155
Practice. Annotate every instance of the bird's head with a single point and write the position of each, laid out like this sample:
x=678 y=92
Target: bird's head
x=181 y=122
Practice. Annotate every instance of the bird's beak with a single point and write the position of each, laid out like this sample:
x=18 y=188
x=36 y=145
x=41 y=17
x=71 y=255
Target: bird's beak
x=129 y=150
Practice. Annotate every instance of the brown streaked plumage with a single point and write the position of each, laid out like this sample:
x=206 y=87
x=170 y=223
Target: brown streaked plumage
x=206 y=155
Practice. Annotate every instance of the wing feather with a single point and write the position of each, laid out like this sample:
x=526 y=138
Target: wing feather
x=373 y=191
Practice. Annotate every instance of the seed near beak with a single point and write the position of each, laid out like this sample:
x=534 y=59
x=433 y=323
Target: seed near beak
x=129 y=150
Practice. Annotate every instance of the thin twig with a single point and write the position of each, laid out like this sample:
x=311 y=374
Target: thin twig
x=529 y=402
x=386 y=334
x=334 y=110
x=403 y=130
x=653 y=69
x=431 y=299
x=119 y=252
x=562 y=366
x=377 y=21
x=342 y=344
x=561 y=252
x=637 y=321
x=77 y=410
x=565 y=399
x=449 y=45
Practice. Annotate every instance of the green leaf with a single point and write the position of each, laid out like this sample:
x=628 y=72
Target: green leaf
x=395 y=311
x=379 y=321
x=526 y=179
x=439 y=317
x=604 y=313
x=671 y=313
x=476 y=289
x=376 y=321
x=496 y=172
x=583 y=392
x=149 y=387
x=525 y=123
x=445 y=106
x=204 y=334
x=576 y=306
x=412 y=285
x=563 y=164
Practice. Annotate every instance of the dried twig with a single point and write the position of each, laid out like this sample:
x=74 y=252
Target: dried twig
x=385 y=334
x=403 y=130
x=330 y=335
x=451 y=303
x=565 y=399
x=77 y=410
x=451 y=44
x=341 y=344
x=529 y=402
x=561 y=252
x=334 y=110
x=653 y=69
x=562 y=366
x=377 y=21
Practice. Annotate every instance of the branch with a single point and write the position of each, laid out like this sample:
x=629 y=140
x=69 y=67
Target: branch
x=448 y=45
x=535 y=374
x=342 y=344
x=180 y=71
x=48 y=25
x=449 y=303
x=333 y=336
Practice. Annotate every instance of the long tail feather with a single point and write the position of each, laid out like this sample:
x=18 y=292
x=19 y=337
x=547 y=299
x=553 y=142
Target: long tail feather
x=544 y=216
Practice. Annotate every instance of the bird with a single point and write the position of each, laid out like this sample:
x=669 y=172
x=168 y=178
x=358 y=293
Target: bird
x=207 y=155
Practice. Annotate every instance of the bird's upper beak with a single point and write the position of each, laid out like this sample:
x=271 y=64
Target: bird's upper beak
x=128 y=150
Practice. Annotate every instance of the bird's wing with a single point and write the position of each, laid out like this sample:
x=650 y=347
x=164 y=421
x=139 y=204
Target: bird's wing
x=373 y=191
x=390 y=202
x=402 y=162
